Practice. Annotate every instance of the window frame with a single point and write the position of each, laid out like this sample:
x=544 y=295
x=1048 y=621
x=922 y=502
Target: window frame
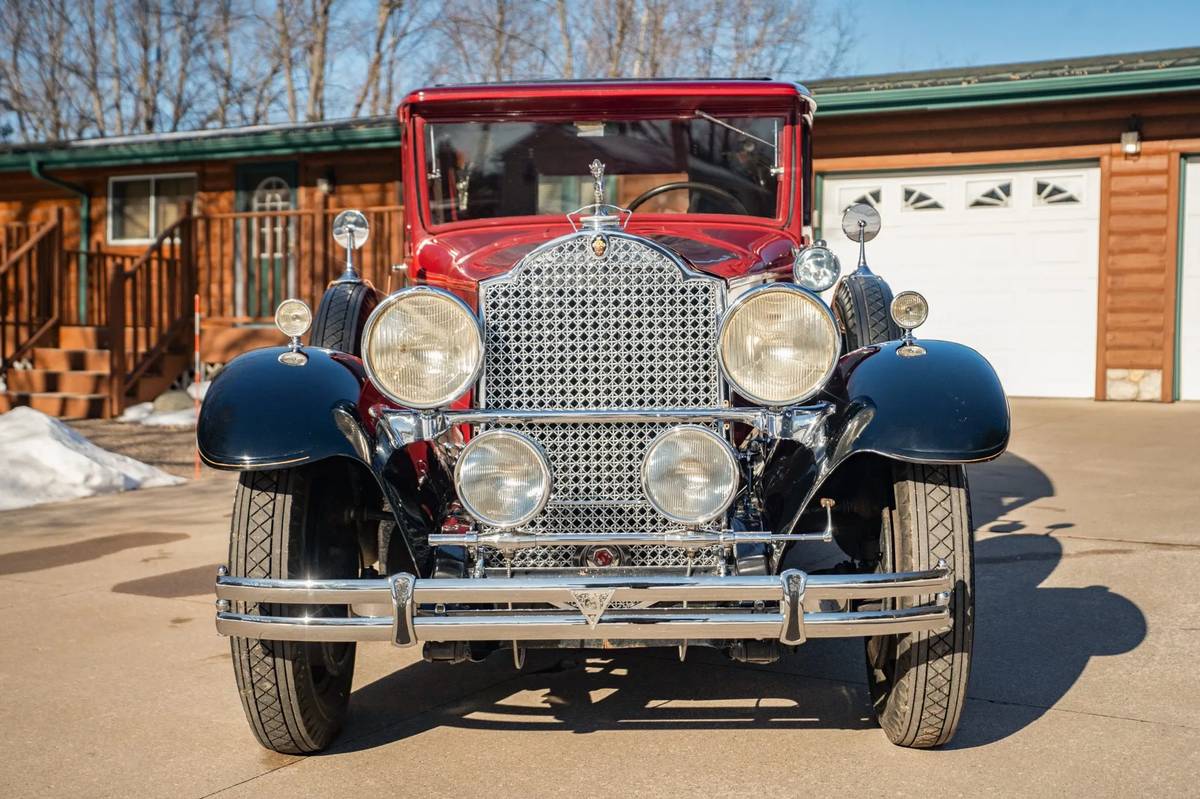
x=153 y=177
x=786 y=194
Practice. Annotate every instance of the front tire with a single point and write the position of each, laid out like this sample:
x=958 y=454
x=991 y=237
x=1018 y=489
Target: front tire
x=918 y=681
x=289 y=523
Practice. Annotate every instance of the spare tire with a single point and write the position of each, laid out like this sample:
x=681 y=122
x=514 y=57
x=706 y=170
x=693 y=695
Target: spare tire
x=341 y=316
x=862 y=304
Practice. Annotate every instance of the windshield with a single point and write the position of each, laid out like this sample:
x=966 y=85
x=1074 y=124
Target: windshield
x=701 y=165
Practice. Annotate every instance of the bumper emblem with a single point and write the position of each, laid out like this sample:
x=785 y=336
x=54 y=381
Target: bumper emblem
x=592 y=604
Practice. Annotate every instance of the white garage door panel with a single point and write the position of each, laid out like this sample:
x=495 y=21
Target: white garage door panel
x=1007 y=259
x=1189 y=300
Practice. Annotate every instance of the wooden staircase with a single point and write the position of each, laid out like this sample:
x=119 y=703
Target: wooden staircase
x=88 y=357
x=73 y=379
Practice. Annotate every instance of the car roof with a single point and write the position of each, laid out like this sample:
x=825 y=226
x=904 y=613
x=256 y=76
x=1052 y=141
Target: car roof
x=607 y=95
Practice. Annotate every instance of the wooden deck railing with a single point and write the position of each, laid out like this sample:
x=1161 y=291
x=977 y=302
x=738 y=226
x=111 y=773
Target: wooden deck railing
x=149 y=306
x=249 y=262
x=29 y=283
x=14 y=234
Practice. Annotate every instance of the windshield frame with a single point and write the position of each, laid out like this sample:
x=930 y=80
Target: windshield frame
x=786 y=196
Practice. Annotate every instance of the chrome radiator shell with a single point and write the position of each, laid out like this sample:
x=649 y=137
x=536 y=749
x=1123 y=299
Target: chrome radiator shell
x=566 y=329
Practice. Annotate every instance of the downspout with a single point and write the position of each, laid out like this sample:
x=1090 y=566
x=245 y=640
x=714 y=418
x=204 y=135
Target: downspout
x=85 y=228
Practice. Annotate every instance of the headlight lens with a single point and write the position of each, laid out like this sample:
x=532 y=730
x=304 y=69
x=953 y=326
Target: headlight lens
x=293 y=318
x=422 y=347
x=779 y=345
x=690 y=474
x=909 y=310
x=816 y=267
x=503 y=478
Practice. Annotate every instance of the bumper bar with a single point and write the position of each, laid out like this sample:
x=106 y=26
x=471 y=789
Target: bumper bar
x=760 y=607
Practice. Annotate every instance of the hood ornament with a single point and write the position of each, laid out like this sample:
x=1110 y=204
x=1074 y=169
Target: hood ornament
x=599 y=214
x=597 y=170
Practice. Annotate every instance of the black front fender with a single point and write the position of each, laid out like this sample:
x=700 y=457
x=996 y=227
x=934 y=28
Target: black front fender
x=943 y=404
x=261 y=413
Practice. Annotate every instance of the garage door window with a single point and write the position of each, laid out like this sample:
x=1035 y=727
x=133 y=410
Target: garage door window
x=989 y=194
x=920 y=199
x=871 y=198
x=1054 y=193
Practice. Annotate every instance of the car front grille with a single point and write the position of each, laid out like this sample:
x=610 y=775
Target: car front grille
x=567 y=330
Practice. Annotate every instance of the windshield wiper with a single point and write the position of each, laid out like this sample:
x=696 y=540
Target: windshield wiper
x=776 y=168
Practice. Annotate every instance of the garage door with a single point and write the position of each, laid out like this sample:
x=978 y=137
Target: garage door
x=1189 y=310
x=1007 y=259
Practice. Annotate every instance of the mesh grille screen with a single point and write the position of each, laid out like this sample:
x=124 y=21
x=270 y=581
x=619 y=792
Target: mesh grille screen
x=570 y=331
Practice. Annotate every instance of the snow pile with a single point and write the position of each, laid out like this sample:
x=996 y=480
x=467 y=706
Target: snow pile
x=144 y=412
x=44 y=460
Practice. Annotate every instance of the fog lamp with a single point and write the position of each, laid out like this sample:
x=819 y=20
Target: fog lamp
x=690 y=474
x=909 y=310
x=503 y=478
x=293 y=318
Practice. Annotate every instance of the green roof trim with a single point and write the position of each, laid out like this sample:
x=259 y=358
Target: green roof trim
x=164 y=150
x=1019 y=90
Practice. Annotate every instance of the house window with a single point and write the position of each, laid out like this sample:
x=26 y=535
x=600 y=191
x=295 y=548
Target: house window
x=142 y=207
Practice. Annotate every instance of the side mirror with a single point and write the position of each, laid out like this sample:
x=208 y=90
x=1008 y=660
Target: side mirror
x=351 y=231
x=861 y=223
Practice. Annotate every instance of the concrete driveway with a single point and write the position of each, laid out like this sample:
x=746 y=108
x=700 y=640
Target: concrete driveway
x=113 y=682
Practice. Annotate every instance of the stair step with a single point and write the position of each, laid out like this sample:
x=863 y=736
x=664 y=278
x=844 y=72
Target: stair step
x=57 y=403
x=91 y=337
x=56 y=359
x=44 y=380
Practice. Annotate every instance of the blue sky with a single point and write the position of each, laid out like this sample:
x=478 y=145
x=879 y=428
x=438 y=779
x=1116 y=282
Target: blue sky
x=906 y=35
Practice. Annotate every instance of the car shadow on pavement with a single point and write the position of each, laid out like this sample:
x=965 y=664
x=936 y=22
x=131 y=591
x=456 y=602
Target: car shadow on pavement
x=1032 y=642
x=593 y=690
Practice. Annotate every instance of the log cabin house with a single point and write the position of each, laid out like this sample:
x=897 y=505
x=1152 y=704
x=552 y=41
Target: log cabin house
x=1050 y=211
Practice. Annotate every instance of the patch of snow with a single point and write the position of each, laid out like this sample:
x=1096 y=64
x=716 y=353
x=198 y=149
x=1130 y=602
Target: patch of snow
x=144 y=413
x=44 y=460
x=198 y=388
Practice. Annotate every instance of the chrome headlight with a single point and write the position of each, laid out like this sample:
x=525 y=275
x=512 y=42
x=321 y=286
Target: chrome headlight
x=503 y=478
x=778 y=345
x=422 y=347
x=816 y=267
x=690 y=474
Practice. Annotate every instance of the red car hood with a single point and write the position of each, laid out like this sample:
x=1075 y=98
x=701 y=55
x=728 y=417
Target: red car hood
x=723 y=250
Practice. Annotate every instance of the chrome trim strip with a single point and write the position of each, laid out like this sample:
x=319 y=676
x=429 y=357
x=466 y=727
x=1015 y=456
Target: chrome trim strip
x=796 y=423
x=682 y=540
x=649 y=588
x=298 y=628
x=613 y=627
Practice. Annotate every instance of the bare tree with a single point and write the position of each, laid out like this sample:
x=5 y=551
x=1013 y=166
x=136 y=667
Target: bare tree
x=71 y=68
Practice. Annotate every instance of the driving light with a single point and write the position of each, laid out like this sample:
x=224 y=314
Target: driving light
x=909 y=310
x=503 y=478
x=422 y=347
x=778 y=345
x=293 y=318
x=690 y=474
x=816 y=267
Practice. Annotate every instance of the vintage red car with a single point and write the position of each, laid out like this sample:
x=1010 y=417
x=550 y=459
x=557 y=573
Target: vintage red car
x=610 y=408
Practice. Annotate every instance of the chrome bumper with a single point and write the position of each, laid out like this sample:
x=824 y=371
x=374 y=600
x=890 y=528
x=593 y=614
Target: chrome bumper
x=781 y=607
